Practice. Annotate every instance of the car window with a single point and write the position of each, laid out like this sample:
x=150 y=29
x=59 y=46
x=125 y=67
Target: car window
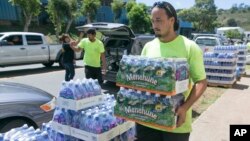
x=1 y=35
x=206 y=42
x=13 y=40
x=34 y=39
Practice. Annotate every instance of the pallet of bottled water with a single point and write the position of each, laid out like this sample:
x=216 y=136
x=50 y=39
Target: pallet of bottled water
x=166 y=76
x=93 y=124
x=148 y=108
x=220 y=67
x=83 y=112
x=79 y=94
x=226 y=49
x=242 y=58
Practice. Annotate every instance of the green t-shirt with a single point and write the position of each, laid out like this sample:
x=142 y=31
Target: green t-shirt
x=92 y=51
x=181 y=47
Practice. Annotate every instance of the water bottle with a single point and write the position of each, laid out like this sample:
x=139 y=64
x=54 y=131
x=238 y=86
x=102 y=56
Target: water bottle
x=97 y=124
x=112 y=119
x=10 y=133
x=1 y=137
x=20 y=133
x=71 y=90
x=123 y=63
x=89 y=88
x=63 y=118
x=156 y=98
x=85 y=89
x=73 y=117
x=59 y=137
x=77 y=92
x=97 y=88
x=167 y=100
x=62 y=92
x=42 y=137
x=87 y=124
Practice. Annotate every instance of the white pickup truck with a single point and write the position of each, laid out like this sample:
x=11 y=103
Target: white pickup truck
x=17 y=48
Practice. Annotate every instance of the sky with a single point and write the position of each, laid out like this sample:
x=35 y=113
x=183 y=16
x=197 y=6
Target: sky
x=180 y=4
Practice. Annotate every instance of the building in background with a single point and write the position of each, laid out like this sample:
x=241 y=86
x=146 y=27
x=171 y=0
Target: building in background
x=10 y=13
x=222 y=30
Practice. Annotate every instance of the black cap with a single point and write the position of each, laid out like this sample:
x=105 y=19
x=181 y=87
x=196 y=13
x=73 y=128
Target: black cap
x=91 y=31
x=170 y=11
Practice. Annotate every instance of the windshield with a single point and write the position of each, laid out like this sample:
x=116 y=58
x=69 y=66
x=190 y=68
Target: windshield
x=206 y=42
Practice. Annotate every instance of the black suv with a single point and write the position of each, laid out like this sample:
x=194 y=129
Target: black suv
x=118 y=40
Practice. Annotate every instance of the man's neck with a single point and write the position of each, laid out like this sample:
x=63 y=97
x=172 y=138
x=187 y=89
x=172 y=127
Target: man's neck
x=168 y=38
x=92 y=40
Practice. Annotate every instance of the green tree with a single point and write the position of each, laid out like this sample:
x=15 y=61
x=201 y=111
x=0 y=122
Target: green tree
x=57 y=10
x=233 y=34
x=130 y=4
x=72 y=14
x=139 y=19
x=203 y=15
x=231 y=22
x=234 y=8
x=90 y=9
x=117 y=6
x=29 y=8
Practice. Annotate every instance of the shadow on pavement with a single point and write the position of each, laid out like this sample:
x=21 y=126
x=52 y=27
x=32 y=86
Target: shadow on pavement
x=195 y=114
x=110 y=87
x=247 y=76
x=240 y=86
x=30 y=71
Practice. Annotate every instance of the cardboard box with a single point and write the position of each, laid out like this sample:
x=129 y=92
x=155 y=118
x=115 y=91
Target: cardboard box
x=79 y=104
x=64 y=129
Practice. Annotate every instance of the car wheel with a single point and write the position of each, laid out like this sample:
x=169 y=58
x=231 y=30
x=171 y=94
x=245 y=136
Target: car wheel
x=48 y=64
x=8 y=124
x=61 y=62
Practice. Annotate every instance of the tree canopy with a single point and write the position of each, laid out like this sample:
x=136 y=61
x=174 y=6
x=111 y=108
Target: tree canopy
x=117 y=6
x=29 y=8
x=203 y=15
x=139 y=19
x=90 y=9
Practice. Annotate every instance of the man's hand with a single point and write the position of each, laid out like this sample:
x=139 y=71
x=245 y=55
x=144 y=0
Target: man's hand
x=181 y=116
x=73 y=43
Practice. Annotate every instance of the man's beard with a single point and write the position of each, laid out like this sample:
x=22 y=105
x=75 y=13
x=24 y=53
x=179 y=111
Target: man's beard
x=158 y=35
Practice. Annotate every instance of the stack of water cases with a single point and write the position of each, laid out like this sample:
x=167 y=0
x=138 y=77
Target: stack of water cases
x=221 y=66
x=83 y=113
x=242 y=58
x=151 y=89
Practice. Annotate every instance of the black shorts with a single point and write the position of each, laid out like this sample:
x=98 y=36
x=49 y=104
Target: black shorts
x=149 y=134
x=94 y=73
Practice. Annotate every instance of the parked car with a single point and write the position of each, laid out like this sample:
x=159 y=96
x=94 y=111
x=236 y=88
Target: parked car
x=207 y=43
x=118 y=40
x=17 y=48
x=223 y=39
x=20 y=104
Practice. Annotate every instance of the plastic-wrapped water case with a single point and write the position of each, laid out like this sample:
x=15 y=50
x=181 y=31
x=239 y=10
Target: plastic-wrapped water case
x=156 y=75
x=147 y=108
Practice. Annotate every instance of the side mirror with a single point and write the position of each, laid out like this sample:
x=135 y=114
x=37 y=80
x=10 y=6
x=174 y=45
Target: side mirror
x=3 y=42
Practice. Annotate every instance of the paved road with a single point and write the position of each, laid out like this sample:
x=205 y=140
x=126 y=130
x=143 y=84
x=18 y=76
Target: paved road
x=47 y=79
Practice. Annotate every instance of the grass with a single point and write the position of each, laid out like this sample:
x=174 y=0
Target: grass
x=248 y=67
x=209 y=97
